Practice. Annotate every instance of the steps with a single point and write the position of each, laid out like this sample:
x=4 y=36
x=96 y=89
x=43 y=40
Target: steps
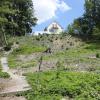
x=19 y=82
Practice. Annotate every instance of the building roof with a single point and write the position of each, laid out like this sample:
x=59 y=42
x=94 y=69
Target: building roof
x=51 y=23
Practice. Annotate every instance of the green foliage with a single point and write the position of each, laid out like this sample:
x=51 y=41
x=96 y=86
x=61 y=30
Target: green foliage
x=76 y=58
x=59 y=65
x=89 y=24
x=25 y=49
x=25 y=16
x=75 y=85
x=96 y=31
x=16 y=18
x=70 y=29
x=97 y=55
x=14 y=63
x=4 y=75
x=8 y=47
x=92 y=47
x=3 y=20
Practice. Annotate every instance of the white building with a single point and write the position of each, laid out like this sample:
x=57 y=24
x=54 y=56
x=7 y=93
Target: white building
x=53 y=28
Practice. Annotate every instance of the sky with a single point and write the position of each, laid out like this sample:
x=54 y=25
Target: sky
x=61 y=11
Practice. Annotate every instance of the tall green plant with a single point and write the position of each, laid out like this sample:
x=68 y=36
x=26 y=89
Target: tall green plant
x=16 y=18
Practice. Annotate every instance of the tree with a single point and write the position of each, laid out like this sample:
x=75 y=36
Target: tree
x=24 y=16
x=90 y=21
x=70 y=29
x=16 y=18
x=5 y=13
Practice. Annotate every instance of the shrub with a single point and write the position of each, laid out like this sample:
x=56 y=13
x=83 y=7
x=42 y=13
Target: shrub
x=17 y=42
x=97 y=55
x=4 y=75
x=67 y=48
x=71 y=44
x=56 y=38
x=38 y=39
x=8 y=47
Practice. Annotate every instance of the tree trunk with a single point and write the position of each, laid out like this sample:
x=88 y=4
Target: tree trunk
x=4 y=35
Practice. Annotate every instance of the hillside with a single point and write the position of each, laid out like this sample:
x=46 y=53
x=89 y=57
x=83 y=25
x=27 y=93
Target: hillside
x=32 y=48
x=72 y=52
x=69 y=57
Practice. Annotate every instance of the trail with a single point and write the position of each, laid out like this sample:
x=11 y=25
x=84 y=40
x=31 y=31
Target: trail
x=16 y=82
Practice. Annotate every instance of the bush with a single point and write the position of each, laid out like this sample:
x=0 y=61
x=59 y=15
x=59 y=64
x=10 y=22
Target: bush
x=17 y=42
x=67 y=48
x=71 y=44
x=50 y=40
x=4 y=75
x=8 y=47
x=38 y=39
x=97 y=55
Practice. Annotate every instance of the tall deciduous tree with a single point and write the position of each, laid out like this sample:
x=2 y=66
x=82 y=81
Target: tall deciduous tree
x=5 y=14
x=16 y=18
x=24 y=17
x=89 y=23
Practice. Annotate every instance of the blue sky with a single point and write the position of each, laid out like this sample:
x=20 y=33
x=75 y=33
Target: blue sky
x=62 y=11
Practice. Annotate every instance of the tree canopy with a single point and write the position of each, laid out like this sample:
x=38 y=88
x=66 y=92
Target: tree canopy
x=89 y=23
x=16 y=17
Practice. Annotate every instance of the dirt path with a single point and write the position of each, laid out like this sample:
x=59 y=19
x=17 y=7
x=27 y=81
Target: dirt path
x=16 y=82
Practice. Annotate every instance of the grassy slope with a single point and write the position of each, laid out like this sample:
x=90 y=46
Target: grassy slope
x=76 y=85
x=81 y=55
x=78 y=53
x=26 y=47
x=29 y=45
x=45 y=86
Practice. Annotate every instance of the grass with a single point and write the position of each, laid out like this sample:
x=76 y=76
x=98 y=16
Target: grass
x=81 y=55
x=75 y=85
x=78 y=54
x=13 y=62
x=53 y=85
x=28 y=49
x=73 y=53
x=26 y=46
x=3 y=74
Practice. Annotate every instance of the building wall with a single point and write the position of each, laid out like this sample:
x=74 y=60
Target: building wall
x=54 y=28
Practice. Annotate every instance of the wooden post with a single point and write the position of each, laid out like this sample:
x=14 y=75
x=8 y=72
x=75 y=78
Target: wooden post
x=40 y=63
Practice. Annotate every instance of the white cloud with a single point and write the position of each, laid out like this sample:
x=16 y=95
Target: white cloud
x=46 y=9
